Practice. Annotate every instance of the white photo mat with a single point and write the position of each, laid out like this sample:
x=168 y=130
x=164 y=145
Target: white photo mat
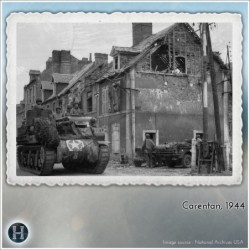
x=15 y=18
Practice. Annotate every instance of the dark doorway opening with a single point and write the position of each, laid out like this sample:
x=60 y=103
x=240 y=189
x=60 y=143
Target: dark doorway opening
x=152 y=136
x=160 y=59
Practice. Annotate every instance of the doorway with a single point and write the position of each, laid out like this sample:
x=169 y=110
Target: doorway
x=154 y=135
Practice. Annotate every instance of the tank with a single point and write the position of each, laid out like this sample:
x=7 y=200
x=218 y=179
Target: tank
x=82 y=146
x=73 y=141
x=37 y=142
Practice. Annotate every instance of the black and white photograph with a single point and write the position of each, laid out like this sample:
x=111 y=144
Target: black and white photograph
x=124 y=124
x=125 y=99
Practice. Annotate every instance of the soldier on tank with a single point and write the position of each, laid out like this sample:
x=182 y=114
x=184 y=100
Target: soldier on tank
x=67 y=111
x=92 y=125
x=38 y=104
x=93 y=122
x=76 y=110
x=58 y=113
x=147 y=148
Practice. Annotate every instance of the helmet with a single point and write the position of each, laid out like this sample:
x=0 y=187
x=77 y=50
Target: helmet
x=92 y=122
x=38 y=100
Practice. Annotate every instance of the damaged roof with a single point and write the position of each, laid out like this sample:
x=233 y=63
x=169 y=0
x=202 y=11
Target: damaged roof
x=110 y=72
x=63 y=78
x=85 y=71
x=130 y=50
x=76 y=78
x=161 y=34
x=146 y=45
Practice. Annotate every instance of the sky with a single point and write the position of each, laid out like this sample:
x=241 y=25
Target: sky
x=36 y=41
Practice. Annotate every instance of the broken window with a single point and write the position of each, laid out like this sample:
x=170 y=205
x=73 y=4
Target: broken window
x=160 y=58
x=89 y=102
x=176 y=55
x=180 y=64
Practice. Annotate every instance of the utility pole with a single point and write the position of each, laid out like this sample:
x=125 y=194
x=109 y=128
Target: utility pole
x=215 y=98
x=227 y=81
x=204 y=82
x=205 y=150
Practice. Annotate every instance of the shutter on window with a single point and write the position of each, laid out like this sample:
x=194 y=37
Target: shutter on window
x=116 y=138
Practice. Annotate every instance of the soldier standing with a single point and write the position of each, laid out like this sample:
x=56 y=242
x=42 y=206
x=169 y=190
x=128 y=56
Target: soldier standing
x=147 y=148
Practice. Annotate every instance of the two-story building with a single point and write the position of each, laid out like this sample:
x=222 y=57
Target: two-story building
x=155 y=87
x=82 y=88
x=58 y=67
x=32 y=90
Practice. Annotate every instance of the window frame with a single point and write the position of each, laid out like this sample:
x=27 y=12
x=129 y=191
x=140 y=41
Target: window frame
x=116 y=62
x=105 y=103
x=87 y=101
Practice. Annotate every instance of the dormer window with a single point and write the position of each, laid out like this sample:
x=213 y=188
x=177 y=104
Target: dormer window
x=116 y=62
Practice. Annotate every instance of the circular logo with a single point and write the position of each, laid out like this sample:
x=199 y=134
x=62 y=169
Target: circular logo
x=18 y=232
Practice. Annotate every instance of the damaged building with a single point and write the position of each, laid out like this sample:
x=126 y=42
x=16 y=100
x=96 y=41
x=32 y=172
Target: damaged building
x=79 y=87
x=155 y=87
x=40 y=85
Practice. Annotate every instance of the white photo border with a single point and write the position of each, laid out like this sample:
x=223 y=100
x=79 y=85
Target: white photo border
x=237 y=38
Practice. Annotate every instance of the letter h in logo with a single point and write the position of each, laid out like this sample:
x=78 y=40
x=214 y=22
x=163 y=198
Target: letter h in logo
x=15 y=233
x=18 y=232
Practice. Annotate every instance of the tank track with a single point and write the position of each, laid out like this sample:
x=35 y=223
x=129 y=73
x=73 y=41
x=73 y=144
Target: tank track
x=102 y=161
x=37 y=160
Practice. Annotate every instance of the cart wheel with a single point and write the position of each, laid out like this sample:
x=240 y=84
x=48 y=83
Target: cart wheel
x=186 y=161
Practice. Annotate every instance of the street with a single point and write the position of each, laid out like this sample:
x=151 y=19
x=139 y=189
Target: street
x=117 y=169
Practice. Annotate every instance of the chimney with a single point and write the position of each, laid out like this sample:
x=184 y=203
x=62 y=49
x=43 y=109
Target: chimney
x=101 y=58
x=34 y=75
x=141 y=31
x=56 y=58
x=49 y=63
x=65 y=62
x=83 y=62
x=90 y=57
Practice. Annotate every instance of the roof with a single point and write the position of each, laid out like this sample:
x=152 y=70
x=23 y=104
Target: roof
x=145 y=46
x=77 y=76
x=161 y=34
x=110 y=72
x=63 y=78
x=218 y=59
x=46 y=85
x=130 y=50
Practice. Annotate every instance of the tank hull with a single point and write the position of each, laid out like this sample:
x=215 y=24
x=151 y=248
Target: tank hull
x=83 y=155
x=43 y=141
